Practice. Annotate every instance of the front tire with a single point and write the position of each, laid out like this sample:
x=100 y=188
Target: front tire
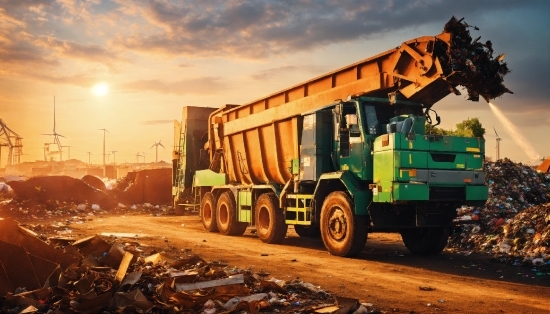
x=343 y=232
x=208 y=212
x=270 y=219
x=425 y=241
x=226 y=216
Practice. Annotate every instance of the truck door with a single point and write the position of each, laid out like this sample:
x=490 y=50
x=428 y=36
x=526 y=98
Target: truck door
x=350 y=140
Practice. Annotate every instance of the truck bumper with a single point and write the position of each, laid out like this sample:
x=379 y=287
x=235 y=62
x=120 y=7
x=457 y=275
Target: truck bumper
x=395 y=191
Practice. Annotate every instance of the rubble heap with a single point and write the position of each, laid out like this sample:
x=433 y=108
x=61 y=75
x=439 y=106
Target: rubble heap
x=514 y=224
x=470 y=63
x=92 y=275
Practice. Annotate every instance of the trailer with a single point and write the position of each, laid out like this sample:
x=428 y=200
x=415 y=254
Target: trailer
x=345 y=153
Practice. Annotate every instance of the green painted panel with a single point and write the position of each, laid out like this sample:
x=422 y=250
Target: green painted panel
x=389 y=192
x=474 y=161
x=209 y=178
x=384 y=166
x=477 y=192
x=244 y=206
x=245 y=198
x=383 y=192
x=411 y=159
x=411 y=192
x=457 y=144
x=458 y=163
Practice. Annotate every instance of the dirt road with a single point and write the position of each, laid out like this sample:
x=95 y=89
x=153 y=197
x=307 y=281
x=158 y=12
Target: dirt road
x=385 y=273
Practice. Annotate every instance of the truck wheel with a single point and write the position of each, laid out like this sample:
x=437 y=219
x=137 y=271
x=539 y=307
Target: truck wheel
x=226 y=216
x=307 y=231
x=425 y=241
x=343 y=233
x=208 y=212
x=270 y=219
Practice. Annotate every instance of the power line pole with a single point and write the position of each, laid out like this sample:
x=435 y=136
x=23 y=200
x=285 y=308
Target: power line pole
x=104 y=130
x=89 y=153
x=114 y=156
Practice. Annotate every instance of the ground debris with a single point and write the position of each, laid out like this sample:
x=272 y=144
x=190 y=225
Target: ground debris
x=97 y=276
x=514 y=224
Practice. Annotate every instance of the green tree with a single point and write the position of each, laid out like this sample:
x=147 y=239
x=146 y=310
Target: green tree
x=435 y=130
x=467 y=128
x=470 y=128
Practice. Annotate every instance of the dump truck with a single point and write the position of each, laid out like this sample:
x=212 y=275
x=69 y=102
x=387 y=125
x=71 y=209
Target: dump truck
x=346 y=153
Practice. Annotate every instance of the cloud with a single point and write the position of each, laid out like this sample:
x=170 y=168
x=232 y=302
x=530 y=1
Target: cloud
x=154 y=122
x=71 y=49
x=261 y=28
x=185 y=65
x=201 y=85
x=81 y=80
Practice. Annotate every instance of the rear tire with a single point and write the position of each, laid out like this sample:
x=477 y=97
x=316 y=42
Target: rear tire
x=226 y=216
x=425 y=241
x=270 y=219
x=343 y=232
x=307 y=231
x=208 y=212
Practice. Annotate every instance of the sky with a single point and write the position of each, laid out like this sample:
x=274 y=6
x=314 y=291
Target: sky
x=155 y=56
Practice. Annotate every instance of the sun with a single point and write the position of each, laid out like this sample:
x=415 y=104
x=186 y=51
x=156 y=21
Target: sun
x=100 y=89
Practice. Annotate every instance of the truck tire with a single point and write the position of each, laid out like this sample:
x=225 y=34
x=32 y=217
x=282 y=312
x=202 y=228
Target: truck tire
x=343 y=232
x=270 y=219
x=208 y=212
x=307 y=231
x=226 y=216
x=425 y=241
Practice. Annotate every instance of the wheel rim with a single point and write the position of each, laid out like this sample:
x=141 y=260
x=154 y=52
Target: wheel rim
x=263 y=218
x=224 y=214
x=337 y=224
x=207 y=213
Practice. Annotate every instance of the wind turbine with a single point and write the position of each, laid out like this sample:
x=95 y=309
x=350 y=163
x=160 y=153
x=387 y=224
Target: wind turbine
x=56 y=136
x=498 y=144
x=157 y=144
x=138 y=154
x=104 y=130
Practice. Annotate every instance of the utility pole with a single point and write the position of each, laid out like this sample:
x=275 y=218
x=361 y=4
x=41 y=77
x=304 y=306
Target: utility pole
x=69 y=147
x=89 y=153
x=104 y=130
x=114 y=156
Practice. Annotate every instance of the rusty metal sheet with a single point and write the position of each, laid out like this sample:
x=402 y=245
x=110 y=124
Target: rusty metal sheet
x=12 y=233
x=94 y=245
x=19 y=270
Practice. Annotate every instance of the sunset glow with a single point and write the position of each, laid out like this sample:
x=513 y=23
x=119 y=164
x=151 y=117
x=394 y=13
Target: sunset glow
x=130 y=66
x=100 y=89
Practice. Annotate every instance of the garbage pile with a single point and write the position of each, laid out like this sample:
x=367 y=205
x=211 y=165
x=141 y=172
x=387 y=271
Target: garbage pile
x=514 y=224
x=145 y=186
x=470 y=63
x=92 y=275
x=59 y=188
x=74 y=212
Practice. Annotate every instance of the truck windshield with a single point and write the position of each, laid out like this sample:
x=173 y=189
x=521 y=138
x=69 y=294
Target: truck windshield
x=377 y=116
x=385 y=113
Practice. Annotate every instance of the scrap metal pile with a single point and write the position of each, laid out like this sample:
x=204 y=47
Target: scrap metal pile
x=470 y=63
x=514 y=224
x=92 y=275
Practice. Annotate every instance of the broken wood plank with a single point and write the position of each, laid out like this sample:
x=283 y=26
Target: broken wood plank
x=236 y=279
